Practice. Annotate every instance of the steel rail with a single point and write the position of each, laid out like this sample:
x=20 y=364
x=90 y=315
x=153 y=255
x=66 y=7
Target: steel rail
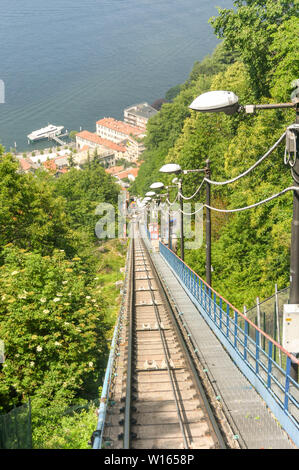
x=164 y=344
x=190 y=361
x=128 y=403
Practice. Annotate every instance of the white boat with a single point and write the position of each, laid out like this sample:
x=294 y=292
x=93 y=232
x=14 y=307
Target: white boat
x=45 y=132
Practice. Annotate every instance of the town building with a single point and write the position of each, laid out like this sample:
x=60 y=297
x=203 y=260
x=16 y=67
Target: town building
x=134 y=149
x=118 y=131
x=139 y=114
x=107 y=151
x=123 y=174
x=26 y=165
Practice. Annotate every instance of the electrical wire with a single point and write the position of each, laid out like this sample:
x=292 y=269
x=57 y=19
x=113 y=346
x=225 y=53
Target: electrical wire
x=291 y=188
x=252 y=167
x=274 y=196
x=220 y=183
x=192 y=213
x=191 y=197
x=172 y=203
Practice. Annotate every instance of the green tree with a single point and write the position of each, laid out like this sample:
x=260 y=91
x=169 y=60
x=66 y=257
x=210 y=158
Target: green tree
x=284 y=59
x=72 y=135
x=248 y=31
x=30 y=215
x=83 y=191
x=52 y=323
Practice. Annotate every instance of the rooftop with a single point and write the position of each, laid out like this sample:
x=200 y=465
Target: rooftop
x=114 y=170
x=142 y=109
x=120 y=126
x=129 y=172
x=92 y=137
x=26 y=164
x=50 y=165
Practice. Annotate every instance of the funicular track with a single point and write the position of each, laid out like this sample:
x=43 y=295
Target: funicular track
x=157 y=399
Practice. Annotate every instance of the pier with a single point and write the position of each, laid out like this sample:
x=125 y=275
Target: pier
x=58 y=139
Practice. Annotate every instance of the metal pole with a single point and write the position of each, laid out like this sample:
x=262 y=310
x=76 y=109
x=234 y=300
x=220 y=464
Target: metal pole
x=294 y=268
x=258 y=312
x=208 y=225
x=169 y=235
x=181 y=221
x=277 y=321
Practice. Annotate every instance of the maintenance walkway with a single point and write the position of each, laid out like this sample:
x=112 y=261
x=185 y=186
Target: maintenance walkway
x=252 y=421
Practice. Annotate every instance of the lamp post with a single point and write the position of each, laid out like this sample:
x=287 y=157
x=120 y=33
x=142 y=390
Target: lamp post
x=146 y=202
x=208 y=226
x=176 y=169
x=228 y=102
x=159 y=186
x=180 y=187
x=169 y=220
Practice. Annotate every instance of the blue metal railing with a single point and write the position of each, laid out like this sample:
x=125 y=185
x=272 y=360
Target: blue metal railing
x=253 y=356
x=105 y=392
x=98 y=439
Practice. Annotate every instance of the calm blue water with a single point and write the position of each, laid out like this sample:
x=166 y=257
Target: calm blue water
x=72 y=62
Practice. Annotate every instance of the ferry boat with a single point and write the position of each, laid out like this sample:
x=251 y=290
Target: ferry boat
x=45 y=133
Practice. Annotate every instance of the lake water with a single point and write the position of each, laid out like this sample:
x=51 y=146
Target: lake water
x=73 y=62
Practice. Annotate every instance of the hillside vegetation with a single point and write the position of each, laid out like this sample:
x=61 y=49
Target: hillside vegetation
x=58 y=295
x=257 y=60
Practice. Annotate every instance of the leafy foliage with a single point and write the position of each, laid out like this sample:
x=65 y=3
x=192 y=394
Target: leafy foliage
x=248 y=31
x=30 y=215
x=257 y=60
x=52 y=324
x=83 y=191
x=55 y=315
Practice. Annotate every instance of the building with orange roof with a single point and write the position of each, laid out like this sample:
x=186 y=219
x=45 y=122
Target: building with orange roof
x=114 y=170
x=118 y=131
x=129 y=173
x=27 y=165
x=50 y=165
x=107 y=150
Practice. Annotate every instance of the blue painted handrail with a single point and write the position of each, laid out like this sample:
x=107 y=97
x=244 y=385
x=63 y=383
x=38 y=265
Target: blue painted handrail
x=105 y=392
x=250 y=353
x=97 y=444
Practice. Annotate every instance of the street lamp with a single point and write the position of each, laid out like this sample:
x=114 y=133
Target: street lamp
x=228 y=102
x=158 y=185
x=174 y=168
x=146 y=201
x=171 y=168
x=216 y=102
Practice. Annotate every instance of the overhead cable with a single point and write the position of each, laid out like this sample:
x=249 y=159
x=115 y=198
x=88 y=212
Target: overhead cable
x=291 y=188
x=191 y=197
x=252 y=167
x=172 y=203
x=274 y=196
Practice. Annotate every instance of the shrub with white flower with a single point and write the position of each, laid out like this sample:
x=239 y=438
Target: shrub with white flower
x=50 y=333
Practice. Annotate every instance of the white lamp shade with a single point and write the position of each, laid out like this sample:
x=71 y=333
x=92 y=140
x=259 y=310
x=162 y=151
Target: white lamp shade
x=150 y=193
x=171 y=168
x=216 y=102
x=157 y=185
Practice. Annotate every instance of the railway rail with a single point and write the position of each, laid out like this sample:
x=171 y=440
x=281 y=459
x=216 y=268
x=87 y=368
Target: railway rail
x=156 y=400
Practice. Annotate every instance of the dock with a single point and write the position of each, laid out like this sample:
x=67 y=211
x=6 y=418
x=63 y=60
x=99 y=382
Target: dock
x=58 y=139
x=50 y=132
